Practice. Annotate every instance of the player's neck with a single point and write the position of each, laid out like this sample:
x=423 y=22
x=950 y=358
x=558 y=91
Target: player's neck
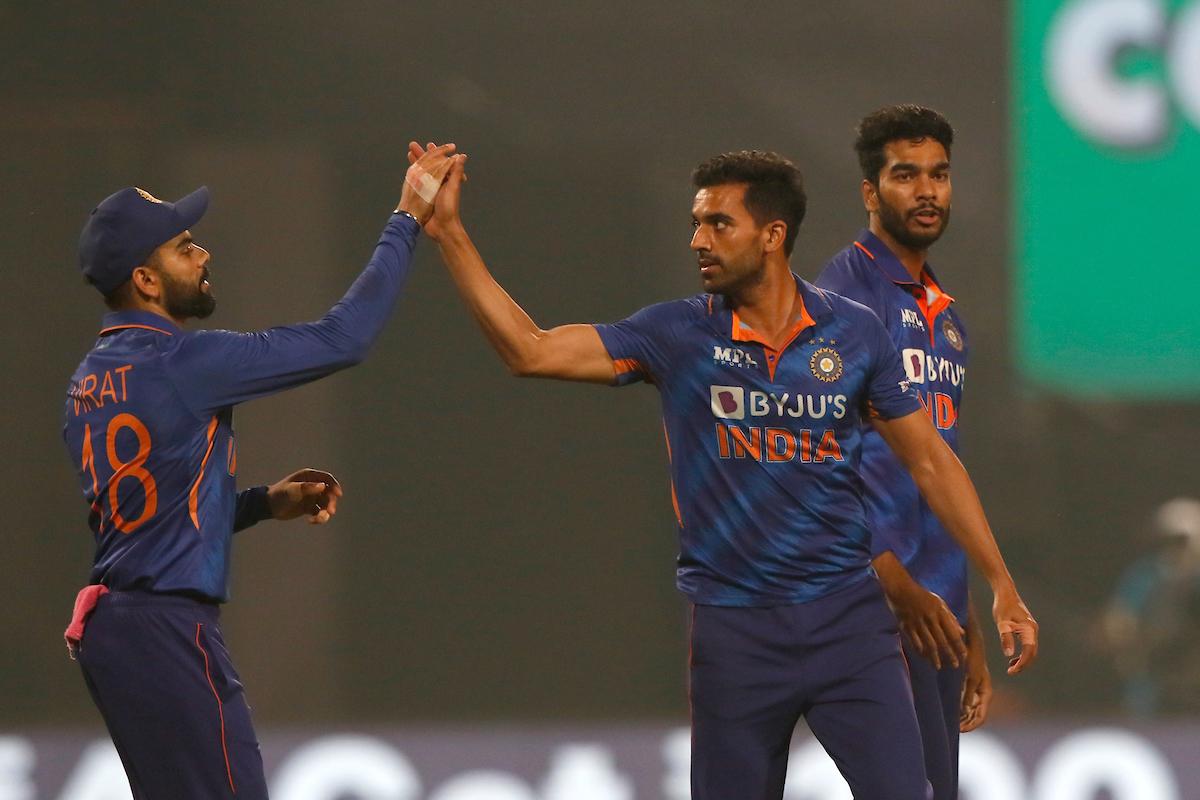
x=772 y=305
x=913 y=260
x=141 y=304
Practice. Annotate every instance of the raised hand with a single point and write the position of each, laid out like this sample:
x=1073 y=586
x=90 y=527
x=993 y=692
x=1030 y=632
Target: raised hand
x=445 y=207
x=423 y=180
x=310 y=492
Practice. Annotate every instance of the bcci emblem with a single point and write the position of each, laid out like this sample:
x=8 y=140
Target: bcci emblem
x=147 y=196
x=952 y=335
x=826 y=364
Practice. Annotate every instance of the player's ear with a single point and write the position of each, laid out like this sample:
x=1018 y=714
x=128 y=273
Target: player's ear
x=147 y=282
x=776 y=233
x=870 y=196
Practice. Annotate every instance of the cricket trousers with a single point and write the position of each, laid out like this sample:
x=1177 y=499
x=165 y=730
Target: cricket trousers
x=836 y=662
x=157 y=668
x=937 y=696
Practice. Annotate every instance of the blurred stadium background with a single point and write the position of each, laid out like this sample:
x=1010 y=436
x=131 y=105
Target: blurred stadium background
x=492 y=616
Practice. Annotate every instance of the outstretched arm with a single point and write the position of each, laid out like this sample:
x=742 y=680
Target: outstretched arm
x=215 y=368
x=568 y=352
x=948 y=490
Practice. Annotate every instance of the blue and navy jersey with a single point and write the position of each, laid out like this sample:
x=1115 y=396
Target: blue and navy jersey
x=149 y=425
x=932 y=343
x=764 y=444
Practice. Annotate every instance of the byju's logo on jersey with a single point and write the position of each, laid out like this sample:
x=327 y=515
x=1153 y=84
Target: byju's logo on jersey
x=911 y=319
x=728 y=402
x=914 y=364
x=733 y=357
x=920 y=367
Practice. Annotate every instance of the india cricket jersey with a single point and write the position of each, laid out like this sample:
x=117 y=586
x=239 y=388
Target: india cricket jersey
x=149 y=425
x=764 y=444
x=933 y=348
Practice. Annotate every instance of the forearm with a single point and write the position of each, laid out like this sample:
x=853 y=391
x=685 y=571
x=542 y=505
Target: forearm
x=974 y=630
x=948 y=490
x=511 y=332
x=893 y=577
x=354 y=323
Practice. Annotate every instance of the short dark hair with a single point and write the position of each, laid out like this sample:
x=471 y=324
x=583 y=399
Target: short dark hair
x=774 y=188
x=893 y=123
x=122 y=296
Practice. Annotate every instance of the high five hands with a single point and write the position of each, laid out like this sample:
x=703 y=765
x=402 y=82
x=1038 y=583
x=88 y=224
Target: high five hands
x=424 y=178
x=445 y=206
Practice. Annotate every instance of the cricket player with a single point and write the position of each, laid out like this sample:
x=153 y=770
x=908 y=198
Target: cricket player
x=765 y=380
x=149 y=428
x=904 y=152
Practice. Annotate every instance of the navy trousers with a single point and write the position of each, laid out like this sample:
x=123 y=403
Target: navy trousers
x=835 y=661
x=937 y=695
x=158 y=670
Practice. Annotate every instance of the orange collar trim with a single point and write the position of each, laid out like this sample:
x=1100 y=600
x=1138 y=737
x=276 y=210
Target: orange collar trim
x=744 y=333
x=104 y=331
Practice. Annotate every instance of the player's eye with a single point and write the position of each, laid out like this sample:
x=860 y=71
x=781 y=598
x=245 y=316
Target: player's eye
x=721 y=225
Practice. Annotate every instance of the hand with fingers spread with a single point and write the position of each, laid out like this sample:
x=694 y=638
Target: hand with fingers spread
x=445 y=206
x=424 y=179
x=924 y=618
x=1017 y=627
x=307 y=492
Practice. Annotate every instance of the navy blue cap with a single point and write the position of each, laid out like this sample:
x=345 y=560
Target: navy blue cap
x=127 y=227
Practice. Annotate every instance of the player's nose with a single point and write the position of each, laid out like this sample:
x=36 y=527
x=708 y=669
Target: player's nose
x=925 y=186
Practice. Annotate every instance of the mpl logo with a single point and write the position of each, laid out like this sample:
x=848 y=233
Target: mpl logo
x=911 y=319
x=728 y=402
x=733 y=357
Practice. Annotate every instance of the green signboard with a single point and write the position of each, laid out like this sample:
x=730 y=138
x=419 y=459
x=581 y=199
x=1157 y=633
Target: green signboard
x=1106 y=196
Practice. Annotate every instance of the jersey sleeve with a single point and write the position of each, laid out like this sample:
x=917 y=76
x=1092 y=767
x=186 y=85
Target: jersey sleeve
x=214 y=369
x=251 y=508
x=889 y=394
x=640 y=345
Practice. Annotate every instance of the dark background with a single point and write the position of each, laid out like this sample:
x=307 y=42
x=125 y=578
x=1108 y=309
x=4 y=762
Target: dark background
x=505 y=548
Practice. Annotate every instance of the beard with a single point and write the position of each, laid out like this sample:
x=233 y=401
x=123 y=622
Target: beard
x=895 y=222
x=738 y=275
x=187 y=301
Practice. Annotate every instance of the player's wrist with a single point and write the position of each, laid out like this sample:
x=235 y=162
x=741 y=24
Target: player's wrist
x=400 y=212
x=414 y=210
